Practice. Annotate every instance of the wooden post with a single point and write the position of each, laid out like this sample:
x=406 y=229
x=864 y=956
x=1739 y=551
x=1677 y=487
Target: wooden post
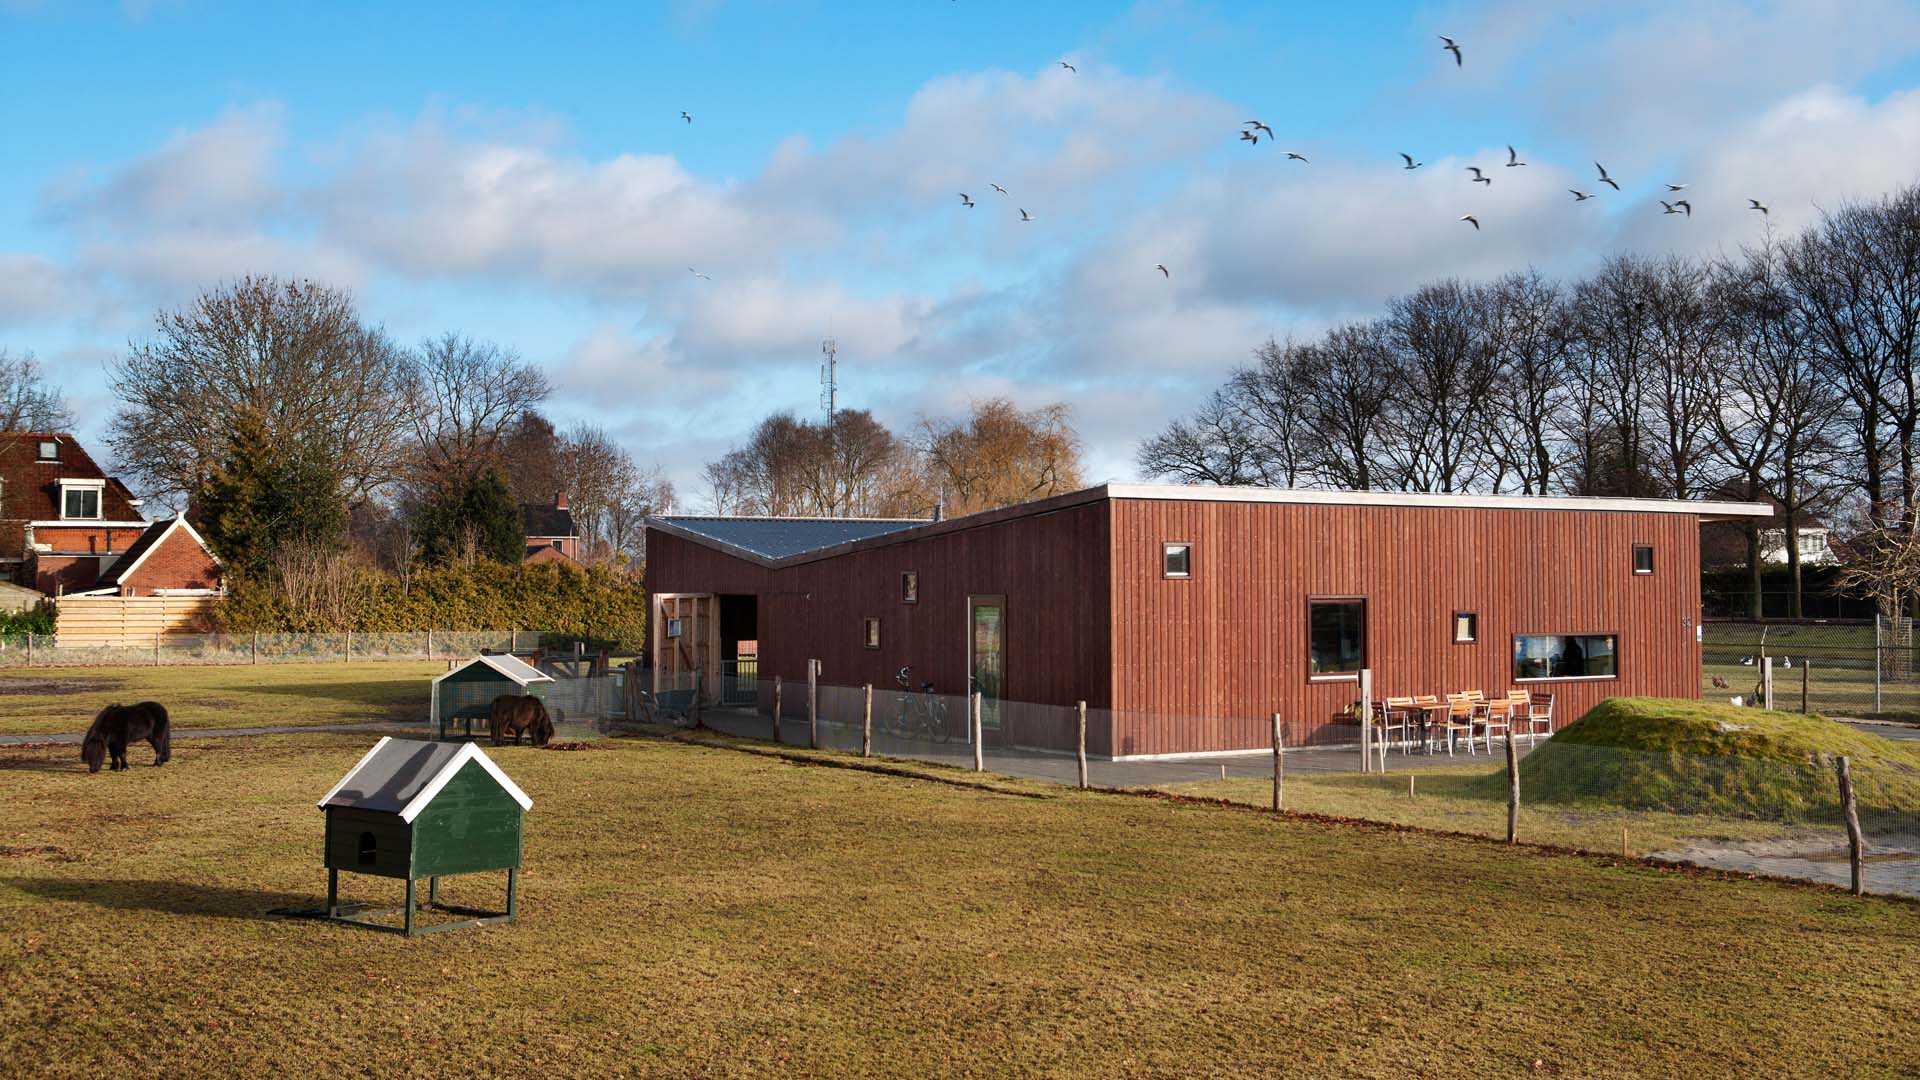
x=29 y=648
x=1410 y=785
x=433 y=892
x=699 y=676
x=1080 y=710
x=333 y=891
x=513 y=641
x=979 y=752
x=409 y=924
x=1805 y=667
x=776 y=708
x=1856 y=844
x=1625 y=853
x=156 y=650
x=256 y=647
x=1279 y=766
x=1766 y=683
x=813 y=704
x=1366 y=717
x=513 y=892
x=346 y=654
x=866 y=720
x=1513 y=790
x=429 y=644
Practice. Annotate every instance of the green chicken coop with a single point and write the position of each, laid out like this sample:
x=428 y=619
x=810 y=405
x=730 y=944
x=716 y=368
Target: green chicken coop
x=463 y=695
x=413 y=810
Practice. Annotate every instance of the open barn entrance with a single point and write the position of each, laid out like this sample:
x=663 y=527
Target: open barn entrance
x=739 y=649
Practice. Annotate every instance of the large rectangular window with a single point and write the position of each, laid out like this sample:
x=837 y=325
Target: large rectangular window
x=80 y=503
x=1336 y=636
x=1565 y=656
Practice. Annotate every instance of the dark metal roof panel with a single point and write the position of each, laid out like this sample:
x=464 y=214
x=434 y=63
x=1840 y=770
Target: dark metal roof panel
x=392 y=775
x=778 y=538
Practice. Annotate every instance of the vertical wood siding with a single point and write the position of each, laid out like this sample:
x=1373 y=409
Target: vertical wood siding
x=1202 y=662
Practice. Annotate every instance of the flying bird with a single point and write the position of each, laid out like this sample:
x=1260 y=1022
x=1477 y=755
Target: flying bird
x=1604 y=178
x=1255 y=125
x=698 y=274
x=966 y=200
x=1453 y=48
x=1754 y=204
x=1480 y=177
x=1299 y=157
x=1676 y=187
x=1162 y=267
x=1248 y=136
x=997 y=187
x=1513 y=157
x=1069 y=67
x=1685 y=205
x=1474 y=221
x=1580 y=196
x=684 y=115
x=1411 y=164
x=1024 y=216
x=1670 y=207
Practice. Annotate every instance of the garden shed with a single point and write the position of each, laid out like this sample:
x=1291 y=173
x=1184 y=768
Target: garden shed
x=465 y=692
x=413 y=809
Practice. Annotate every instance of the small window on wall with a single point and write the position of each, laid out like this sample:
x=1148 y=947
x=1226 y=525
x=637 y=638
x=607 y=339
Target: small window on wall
x=80 y=503
x=1565 y=656
x=909 y=587
x=1336 y=637
x=1176 y=560
x=873 y=634
x=1466 y=627
x=1643 y=559
x=49 y=450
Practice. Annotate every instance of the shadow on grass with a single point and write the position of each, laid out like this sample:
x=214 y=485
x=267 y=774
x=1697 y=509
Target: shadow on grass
x=66 y=763
x=168 y=897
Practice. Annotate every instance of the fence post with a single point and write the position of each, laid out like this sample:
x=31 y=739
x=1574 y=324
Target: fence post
x=866 y=720
x=429 y=644
x=813 y=704
x=979 y=752
x=254 y=649
x=1366 y=724
x=156 y=650
x=346 y=654
x=1513 y=789
x=513 y=641
x=699 y=707
x=1766 y=683
x=1279 y=767
x=1876 y=661
x=1856 y=844
x=1806 y=667
x=1080 y=711
x=776 y=708
x=29 y=648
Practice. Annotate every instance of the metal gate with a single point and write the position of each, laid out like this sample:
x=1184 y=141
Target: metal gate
x=740 y=681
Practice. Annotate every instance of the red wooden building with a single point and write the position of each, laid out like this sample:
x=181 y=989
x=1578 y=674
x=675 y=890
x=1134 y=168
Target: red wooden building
x=1186 y=616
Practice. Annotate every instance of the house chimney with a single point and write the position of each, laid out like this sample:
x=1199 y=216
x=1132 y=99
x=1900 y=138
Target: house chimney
x=559 y=500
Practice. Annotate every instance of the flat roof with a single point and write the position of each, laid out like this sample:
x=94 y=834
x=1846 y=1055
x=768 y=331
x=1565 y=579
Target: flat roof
x=736 y=537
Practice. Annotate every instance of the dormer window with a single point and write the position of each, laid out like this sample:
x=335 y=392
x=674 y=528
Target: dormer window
x=49 y=450
x=80 y=499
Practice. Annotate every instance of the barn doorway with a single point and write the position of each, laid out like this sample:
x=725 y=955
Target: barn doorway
x=739 y=649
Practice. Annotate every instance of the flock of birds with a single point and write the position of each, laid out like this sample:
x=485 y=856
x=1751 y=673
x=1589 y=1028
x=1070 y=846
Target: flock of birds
x=1253 y=130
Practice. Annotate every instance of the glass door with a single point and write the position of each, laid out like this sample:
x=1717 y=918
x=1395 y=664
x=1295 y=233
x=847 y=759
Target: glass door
x=986 y=656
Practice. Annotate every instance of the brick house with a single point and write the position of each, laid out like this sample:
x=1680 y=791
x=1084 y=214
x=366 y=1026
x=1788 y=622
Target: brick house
x=551 y=534
x=67 y=527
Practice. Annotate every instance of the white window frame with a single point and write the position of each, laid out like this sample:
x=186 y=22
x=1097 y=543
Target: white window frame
x=1166 y=551
x=40 y=453
x=98 y=487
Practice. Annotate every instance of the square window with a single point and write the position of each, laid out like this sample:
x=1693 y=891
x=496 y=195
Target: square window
x=49 y=450
x=1336 y=636
x=1643 y=559
x=873 y=633
x=909 y=587
x=1177 y=560
x=1466 y=626
x=80 y=503
x=673 y=628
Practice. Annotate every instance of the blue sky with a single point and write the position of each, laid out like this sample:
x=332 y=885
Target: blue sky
x=522 y=174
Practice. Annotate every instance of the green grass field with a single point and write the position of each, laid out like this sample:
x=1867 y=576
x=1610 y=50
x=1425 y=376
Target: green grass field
x=698 y=911
x=39 y=701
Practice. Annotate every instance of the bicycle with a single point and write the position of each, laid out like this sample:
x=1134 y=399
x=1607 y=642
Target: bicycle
x=921 y=715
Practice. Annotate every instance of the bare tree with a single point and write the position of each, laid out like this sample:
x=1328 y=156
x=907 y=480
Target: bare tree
x=1532 y=385
x=1440 y=344
x=1217 y=445
x=1000 y=455
x=1348 y=400
x=789 y=467
x=465 y=398
x=1612 y=327
x=1685 y=347
x=292 y=352
x=27 y=403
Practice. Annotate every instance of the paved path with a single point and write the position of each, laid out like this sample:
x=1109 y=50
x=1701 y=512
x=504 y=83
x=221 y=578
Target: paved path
x=183 y=733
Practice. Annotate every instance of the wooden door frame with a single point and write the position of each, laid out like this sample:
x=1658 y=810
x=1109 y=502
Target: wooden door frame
x=710 y=681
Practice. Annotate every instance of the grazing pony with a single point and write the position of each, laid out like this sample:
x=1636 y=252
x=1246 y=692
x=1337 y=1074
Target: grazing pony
x=118 y=725
x=514 y=714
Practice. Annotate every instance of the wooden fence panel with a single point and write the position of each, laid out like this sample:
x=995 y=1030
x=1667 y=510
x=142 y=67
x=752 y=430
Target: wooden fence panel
x=96 y=622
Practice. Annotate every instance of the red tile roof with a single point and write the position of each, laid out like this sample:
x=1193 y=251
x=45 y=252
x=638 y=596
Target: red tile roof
x=31 y=491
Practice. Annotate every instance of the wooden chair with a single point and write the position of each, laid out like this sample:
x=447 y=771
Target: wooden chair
x=1403 y=707
x=1496 y=715
x=1427 y=707
x=1460 y=716
x=1538 y=716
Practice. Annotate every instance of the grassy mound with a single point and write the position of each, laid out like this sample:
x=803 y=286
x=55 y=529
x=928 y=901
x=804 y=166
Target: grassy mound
x=1695 y=757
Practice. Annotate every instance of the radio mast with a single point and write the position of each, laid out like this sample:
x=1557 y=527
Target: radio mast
x=830 y=381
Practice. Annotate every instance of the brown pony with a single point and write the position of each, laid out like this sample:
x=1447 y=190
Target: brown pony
x=514 y=714
x=118 y=725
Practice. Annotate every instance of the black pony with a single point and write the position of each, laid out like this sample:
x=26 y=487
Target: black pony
x=118 y=725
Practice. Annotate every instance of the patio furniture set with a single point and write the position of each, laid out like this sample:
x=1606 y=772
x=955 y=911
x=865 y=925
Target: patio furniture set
x=1469 y=716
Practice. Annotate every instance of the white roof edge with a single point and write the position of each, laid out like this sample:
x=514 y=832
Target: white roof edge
x=489 y=661
x=1199 y=493
x=468 y=752
x=357 y=766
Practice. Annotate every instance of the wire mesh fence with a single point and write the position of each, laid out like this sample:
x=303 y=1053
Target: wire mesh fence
x=1778 y=812
x=1853 y=668
x=41 y=650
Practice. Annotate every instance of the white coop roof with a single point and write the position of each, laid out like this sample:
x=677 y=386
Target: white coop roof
x=402 y=776
x=510 y=666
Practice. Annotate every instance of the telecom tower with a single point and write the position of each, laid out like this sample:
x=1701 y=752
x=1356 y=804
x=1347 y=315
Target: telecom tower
x=830 y=382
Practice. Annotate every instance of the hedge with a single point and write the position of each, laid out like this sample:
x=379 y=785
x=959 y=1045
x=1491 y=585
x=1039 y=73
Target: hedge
x=599 y=604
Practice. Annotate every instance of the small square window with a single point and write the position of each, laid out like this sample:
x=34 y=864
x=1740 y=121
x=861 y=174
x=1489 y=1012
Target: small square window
x=909 y=587
x=673 y=628
x=49 y=450
x=873 y=633
x=1466 y=626
x=1643 y=559
x=1177 y=560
